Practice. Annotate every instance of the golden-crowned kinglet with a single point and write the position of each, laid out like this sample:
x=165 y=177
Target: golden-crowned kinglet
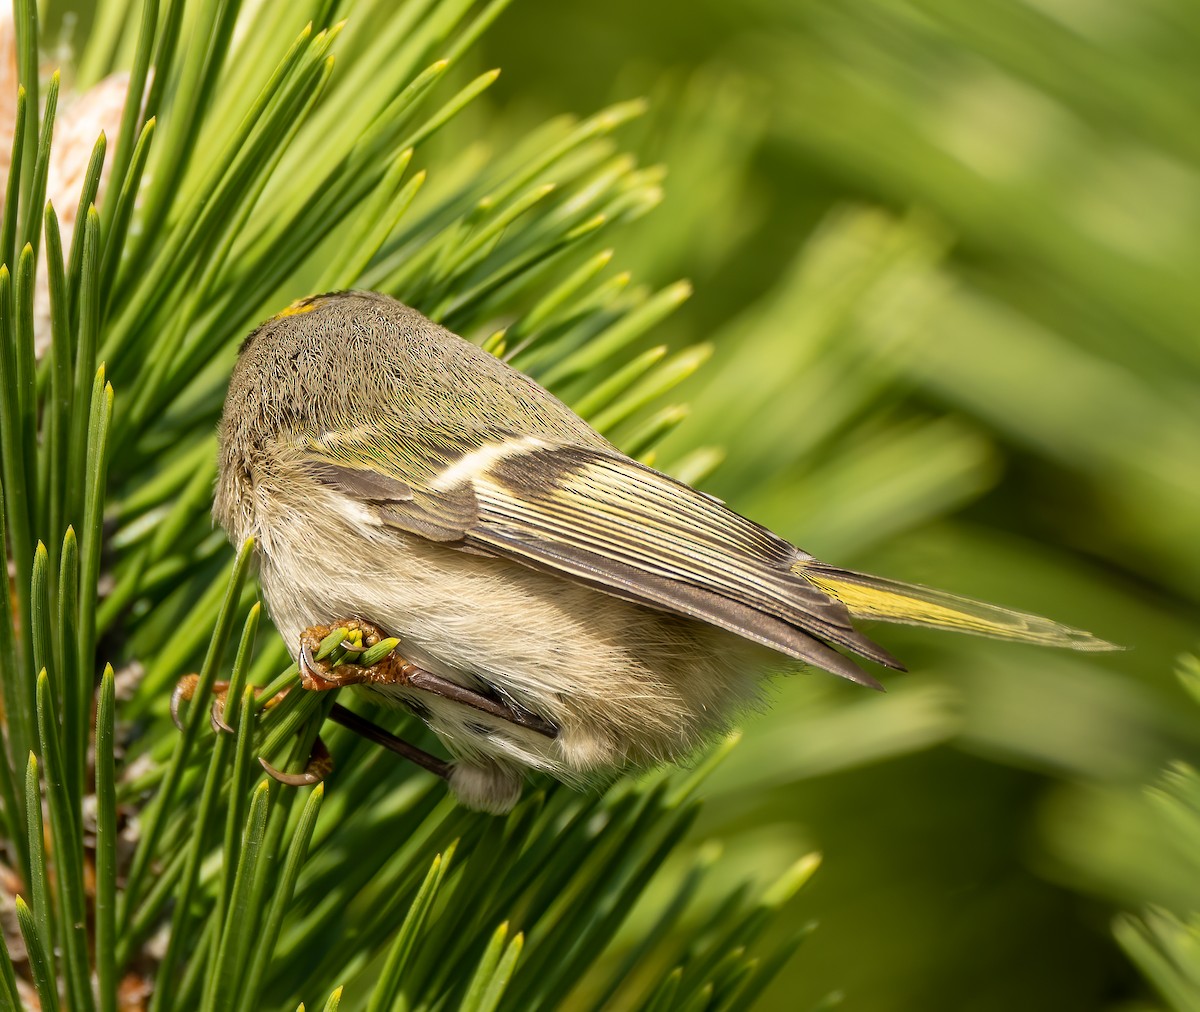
x=560 y=606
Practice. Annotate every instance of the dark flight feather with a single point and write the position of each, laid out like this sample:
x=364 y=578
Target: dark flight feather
x=602 y=519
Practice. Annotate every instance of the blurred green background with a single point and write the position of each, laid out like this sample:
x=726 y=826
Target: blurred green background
x=945 y=253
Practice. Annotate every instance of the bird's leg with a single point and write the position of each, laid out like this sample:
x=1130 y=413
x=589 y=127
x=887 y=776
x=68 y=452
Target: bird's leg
x=395 y=670
x=376 y=734
x=429 y=682
x=320 y=676
x=320 y=763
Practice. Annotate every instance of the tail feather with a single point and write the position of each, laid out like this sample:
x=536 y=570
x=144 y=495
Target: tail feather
x=874 y=597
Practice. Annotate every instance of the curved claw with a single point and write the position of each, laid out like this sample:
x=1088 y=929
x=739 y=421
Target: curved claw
x=309 y=665
x=216 y=715
x=319 y=766
x=185 y=688
x=316 y=676
x=304 y=779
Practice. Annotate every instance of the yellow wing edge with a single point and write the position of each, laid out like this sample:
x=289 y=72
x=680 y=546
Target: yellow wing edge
x=875 y=597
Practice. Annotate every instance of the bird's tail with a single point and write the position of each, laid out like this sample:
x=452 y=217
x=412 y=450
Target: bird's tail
x=873 y=597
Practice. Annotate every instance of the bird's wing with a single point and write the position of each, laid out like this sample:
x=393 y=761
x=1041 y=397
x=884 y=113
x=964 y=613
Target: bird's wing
x=599 y=518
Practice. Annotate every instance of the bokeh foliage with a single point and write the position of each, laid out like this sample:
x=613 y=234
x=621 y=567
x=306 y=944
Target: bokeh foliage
x=1163 y=936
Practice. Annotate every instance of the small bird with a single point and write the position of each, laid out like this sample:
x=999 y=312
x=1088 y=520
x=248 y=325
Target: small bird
x=559 y=605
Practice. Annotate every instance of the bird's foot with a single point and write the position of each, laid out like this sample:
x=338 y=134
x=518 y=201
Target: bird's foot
x=395 y=670
x=380 y=665
x=185 y=690
x=322 y=675
x=319 y=761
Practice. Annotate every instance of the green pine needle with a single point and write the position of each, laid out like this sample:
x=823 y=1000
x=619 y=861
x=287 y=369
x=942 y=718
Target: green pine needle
x=291 y=158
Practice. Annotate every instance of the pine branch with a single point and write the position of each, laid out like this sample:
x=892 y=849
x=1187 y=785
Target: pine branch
x=165 y=862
